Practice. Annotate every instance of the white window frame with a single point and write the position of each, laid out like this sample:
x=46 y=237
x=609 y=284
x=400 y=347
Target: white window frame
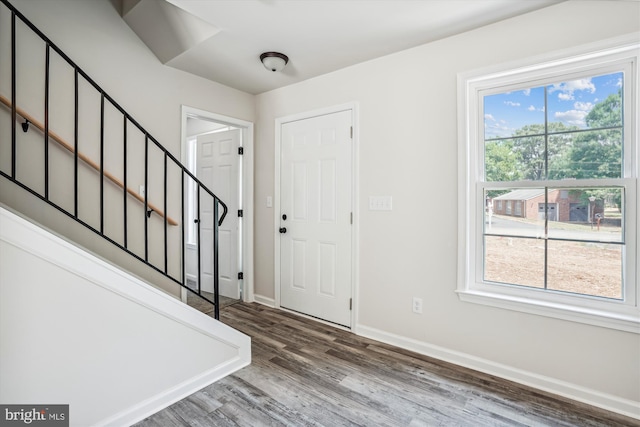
x=608 y=56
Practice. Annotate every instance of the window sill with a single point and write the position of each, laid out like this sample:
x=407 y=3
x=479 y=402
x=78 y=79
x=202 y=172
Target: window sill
x=621 y=322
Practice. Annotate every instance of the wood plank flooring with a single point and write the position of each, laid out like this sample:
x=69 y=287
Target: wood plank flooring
x=305 y=373
x=206 y=307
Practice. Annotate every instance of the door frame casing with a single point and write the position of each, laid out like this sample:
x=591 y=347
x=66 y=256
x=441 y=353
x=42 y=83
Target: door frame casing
x=246 y=163
x=353 y=107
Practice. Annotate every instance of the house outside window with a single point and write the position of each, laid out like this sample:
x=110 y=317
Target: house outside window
x=557 y=140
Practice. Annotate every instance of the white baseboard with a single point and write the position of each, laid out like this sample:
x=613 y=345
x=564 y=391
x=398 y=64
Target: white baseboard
x=270 y=302
x=572 y=391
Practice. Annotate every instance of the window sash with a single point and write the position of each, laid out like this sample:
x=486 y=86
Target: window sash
x=629 y=236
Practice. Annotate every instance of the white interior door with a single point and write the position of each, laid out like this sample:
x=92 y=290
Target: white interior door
x=316 y=211
x=217 y=162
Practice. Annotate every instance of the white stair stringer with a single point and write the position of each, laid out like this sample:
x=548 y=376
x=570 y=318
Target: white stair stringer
x=76 y=330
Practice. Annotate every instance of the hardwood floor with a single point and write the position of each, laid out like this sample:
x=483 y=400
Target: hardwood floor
x=206 y=307
x=305 y=373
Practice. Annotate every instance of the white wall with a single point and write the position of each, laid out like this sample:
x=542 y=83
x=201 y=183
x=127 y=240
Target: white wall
x=95 y=37
x=75 y=330
x=408 y=149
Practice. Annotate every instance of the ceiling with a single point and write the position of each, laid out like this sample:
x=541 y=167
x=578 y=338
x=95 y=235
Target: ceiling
x=222 y=40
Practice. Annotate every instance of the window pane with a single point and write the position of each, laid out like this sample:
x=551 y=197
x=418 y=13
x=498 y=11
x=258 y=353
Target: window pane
x=591 y=154
x=510 y=113
x=501 y=162
x=520 y=158
x=587 y=103
x=515 y=128
x=514 y=261
x=560 y=165
x=585 y=268
x=588 y=214
x=515 y=212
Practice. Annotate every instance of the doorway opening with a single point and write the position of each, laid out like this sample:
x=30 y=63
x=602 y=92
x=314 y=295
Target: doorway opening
x=218 y=151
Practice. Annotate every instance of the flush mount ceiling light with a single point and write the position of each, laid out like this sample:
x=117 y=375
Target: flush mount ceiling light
x=274 y=61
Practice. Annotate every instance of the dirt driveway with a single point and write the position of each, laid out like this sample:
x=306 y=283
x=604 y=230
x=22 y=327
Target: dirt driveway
x=579 y=267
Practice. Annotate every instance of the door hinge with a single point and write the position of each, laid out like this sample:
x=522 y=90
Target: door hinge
x=241 y=150
x=240 y=213
x=351 y=218
x=350 y=303
x=351 y=132
x=240 y=276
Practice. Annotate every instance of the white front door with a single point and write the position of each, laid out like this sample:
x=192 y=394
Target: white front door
x=316 y=217
x=217 y=167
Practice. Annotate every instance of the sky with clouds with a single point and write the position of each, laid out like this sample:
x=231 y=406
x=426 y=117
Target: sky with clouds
x=567 y=102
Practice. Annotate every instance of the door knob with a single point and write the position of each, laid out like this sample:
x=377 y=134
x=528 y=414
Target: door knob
x=283 y=230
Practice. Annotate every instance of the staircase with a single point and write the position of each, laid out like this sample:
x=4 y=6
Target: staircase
x=69 y=144
x=78 y=172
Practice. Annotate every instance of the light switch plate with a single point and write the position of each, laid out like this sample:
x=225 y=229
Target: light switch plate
x=380 y=203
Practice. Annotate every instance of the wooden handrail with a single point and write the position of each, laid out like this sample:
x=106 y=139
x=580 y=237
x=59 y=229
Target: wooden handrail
x=57 y=138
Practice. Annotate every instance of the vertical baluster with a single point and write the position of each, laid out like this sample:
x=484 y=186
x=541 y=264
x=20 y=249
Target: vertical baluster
x=182 y=226
x=46 y=121
x=198 y=235
x=216 y=278
x=13 y=95
x=102 y=163
x=146 y=197
x=165 y=216
x=124 y=177
x=75 y=143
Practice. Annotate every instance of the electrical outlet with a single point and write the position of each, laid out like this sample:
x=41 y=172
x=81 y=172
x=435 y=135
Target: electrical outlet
x=142 y=190
x=417 y=305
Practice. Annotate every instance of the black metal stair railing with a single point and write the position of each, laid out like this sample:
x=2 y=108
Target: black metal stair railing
x=81 y=162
